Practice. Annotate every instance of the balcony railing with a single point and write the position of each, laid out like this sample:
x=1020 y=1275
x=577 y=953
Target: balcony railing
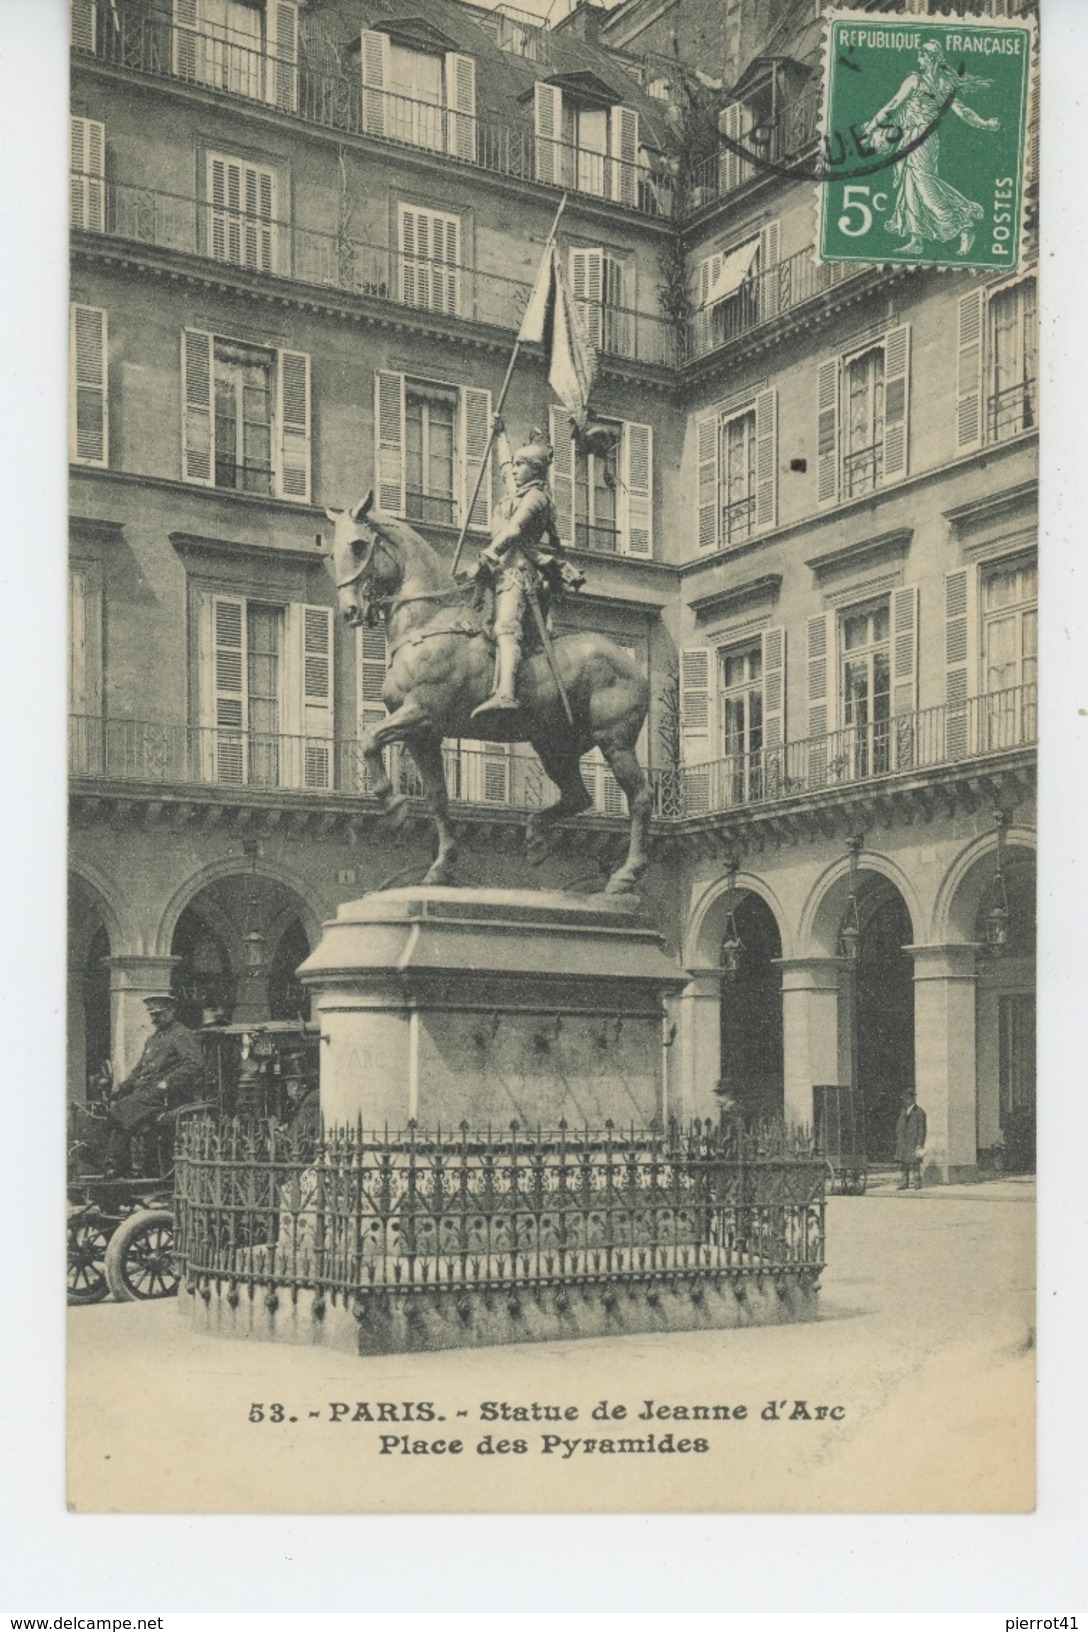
x=335 y=98
x=178 y=756
x=765 y=297
x=1013 y=411
x=327 y=260
x=774 y=140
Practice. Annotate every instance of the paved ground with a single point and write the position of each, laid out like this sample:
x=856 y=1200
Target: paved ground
x=925 y=1341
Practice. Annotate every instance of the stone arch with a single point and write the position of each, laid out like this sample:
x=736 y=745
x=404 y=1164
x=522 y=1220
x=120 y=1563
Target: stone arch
x=702 y=946
x=959 y=897
x=821 y=916
x=229 y=868
x=103 y=897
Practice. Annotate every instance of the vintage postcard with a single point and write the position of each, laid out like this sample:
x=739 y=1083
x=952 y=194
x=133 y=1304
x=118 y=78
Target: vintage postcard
x=552 y=757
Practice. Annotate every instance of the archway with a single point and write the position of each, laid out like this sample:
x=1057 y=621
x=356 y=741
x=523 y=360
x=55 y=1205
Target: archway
x=751 y=1014
x=202 y=979
x=884 y=1019
x=90 y=1043
x=235 y=943
x=288 y=998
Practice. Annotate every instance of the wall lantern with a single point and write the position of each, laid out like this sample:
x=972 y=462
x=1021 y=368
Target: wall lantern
x=997 y=919
x=253 y=944
x=732 y=945
x=850 y=928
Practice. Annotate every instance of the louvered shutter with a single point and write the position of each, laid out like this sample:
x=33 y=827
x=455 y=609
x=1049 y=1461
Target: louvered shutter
x=389 y=440
x=197 y=459
x=827 y=432
x=281 y=80
x=960 y=645
x=241 y=209
x=446 y=268
x=972 y=311
x=475 y=440
x=563 y=475
x=84 y=21
x=770 y=241
x=766 y=460
x=904 y=661
x=733 y=169
x=773 y=646
x=636 y=494
x=414 y=280
x=223 y=698
x=548 y=128
x=89 y=386
x=587 y=287
x=623 y=143
x=375 y=71
x=293 y=423
x=77 y=642
x=820 y=658
x=308 y=696
x=370 y=668
x=461 y=106
x=896 y=402
x=87 y=186
x=695 y=728
x=709 y=509
x=187 y=43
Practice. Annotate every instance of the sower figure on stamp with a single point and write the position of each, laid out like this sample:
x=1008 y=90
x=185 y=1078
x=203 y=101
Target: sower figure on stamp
x=524 y=555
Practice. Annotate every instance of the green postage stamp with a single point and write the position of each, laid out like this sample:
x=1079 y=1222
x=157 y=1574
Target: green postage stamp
x=925 y=140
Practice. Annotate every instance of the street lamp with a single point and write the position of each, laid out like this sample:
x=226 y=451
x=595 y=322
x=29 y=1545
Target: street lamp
x=732 y=945
x=850 y=928
x=997 y=919
x=253 y=943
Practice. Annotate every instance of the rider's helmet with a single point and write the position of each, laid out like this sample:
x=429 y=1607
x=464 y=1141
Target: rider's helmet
x=536 y=452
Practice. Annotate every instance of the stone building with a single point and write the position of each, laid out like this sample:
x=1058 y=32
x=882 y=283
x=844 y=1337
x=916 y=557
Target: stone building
x=303 y=236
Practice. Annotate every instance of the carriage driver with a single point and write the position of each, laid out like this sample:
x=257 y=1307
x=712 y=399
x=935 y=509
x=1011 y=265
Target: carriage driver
x=168 y=1074
x=524 y=552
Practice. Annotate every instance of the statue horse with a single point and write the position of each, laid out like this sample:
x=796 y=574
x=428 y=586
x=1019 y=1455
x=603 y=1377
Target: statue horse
x=440 y=666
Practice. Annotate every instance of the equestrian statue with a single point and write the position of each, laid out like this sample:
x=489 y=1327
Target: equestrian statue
x=453 y=671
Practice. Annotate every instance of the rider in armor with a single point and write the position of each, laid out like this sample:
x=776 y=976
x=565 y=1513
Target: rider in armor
x=524 y=554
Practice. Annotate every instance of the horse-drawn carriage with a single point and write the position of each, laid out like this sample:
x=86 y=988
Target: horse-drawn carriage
x=121 y=1230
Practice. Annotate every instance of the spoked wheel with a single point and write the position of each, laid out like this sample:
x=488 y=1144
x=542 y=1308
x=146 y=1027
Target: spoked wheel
x=140 y=1257
x=88 y=1239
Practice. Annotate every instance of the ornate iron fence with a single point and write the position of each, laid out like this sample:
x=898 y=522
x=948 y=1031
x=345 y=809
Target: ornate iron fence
x=354 y=1213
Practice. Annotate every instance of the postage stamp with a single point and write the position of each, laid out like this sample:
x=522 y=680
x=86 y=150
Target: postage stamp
x=925 y=133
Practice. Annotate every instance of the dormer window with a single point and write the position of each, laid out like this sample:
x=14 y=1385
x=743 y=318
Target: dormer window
x=418 y=92
x=585 y=139
x=245 y=47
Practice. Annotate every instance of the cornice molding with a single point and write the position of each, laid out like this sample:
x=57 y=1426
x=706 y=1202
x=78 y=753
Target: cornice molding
x=193 y=545
x=882 y=549
x=989 y=508
x=93 y=530
x=723 y=603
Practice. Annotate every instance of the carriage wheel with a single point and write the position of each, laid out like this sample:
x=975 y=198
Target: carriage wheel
x=140 y=1257
x=88 y=1239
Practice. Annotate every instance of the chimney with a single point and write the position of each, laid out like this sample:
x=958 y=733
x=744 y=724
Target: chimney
x=583 y=22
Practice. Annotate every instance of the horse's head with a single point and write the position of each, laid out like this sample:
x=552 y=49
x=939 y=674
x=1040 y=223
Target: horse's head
x=360 y=563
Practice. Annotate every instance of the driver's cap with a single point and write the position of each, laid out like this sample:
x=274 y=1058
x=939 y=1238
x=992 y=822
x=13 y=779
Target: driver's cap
x=160 y=1000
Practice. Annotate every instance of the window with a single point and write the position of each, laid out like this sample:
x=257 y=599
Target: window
x=245 y=47
x=87 y=184
x=241 y=210
x=1010 y=648
x=88 y=386
x=862 y=417
x=424 y=98
x=265 y=681
x=430 y=254
x=861 y=675
x=737 y=487
x=430 y=440
x=997 y=364
x=865 y=690
x=85 y=668
x=587 y=146
x=246 y=413
x=740 y=678
x=597 y=281
x=733 y=716
x=604 y=492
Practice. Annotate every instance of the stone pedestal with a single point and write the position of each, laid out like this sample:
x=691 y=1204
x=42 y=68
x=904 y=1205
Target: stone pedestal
x=810 y=1026
x=441 y=1006
x=944 y=1057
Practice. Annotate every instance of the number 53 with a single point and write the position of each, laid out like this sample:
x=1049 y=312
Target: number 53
x=854 y=201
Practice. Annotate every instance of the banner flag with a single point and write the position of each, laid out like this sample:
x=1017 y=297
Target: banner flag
x=552 y=321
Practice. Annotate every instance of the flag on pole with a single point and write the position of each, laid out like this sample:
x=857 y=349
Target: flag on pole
x=553 y=321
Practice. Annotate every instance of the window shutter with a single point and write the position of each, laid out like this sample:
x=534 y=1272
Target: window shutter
x=293 y=474
x=84 y=25
x=389 y=434
x=461 y=106
x=89 y=386
x=562 y=475
x=587 y=287
x=734 y=169
x=896 y=402
x=770 y=240
x=309 y=695
x=766 y=460
x=223 y=704
x=548 y=126
x=241 y=208
x=78 y=664
x=695 y=703
x=370 y=668
x=186 y=38
x=820 y=654
x=475 y=440
x=709 y=510
x=960 y=645
x=827 y=432
x=637 y=491
x=87 y=190
x=623 y=142
x=969 y=371
x=773 y=642
x=197 y=459
x=904 y=622
x=375 y=68
x=281 y=80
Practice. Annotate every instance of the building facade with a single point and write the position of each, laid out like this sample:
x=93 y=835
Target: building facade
x=303 y=237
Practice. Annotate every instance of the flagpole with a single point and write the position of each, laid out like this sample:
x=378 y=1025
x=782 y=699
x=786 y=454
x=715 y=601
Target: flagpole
x=498 y=409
